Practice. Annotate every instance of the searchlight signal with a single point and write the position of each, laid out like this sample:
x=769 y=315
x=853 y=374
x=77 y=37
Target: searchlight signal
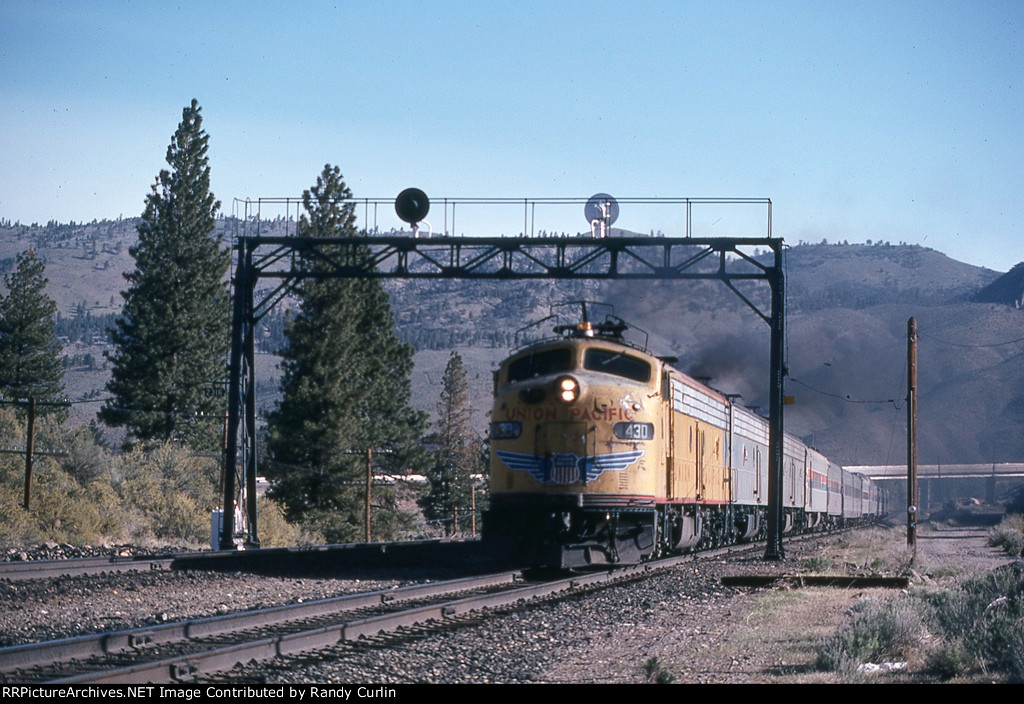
x=412 y=205
x=601 y=211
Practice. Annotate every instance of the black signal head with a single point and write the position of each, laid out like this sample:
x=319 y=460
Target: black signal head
x=412 y=205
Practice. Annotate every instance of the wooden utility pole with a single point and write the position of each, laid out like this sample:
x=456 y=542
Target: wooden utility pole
x=912 y=435
x=472 y=504
x=30 y=441
x=369 y=485
x=29 y=450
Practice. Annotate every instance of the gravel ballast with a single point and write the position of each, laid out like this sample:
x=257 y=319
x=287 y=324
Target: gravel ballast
x=681 y=621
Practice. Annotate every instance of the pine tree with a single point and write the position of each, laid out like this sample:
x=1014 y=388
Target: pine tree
x=30 y=364
x=171 y=339
x=458 y=455
x=345 y=389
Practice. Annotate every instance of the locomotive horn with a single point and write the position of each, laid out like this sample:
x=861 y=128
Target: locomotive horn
x=412 y=205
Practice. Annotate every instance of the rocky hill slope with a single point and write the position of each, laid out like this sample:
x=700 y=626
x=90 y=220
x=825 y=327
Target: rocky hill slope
x=847 y=311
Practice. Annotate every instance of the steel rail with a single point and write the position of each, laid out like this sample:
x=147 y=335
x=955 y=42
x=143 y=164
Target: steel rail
x=209 y=559
x=178 y=669
x=47 y=653
x=44 y=569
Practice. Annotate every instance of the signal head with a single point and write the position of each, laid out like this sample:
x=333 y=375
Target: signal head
x=601 y=207
x=412 y=205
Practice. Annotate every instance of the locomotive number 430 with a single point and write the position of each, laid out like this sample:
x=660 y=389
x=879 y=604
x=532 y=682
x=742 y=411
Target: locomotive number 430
x=634 y=431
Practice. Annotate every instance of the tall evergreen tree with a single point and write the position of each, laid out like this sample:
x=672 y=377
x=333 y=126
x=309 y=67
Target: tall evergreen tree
x=458 y=454
x=171 y=339
x=345 y=389
x=30 y=364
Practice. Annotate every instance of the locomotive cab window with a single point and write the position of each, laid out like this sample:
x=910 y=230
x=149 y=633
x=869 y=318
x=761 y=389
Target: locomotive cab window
x=617 y=363
x=540 y=364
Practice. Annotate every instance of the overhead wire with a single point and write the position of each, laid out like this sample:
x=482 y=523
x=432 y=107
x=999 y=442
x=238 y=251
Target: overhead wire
x=846 y=397
x=895 y=416
x=964 y=344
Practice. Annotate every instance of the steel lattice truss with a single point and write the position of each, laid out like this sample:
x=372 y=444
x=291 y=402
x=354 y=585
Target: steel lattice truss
x=290 y=260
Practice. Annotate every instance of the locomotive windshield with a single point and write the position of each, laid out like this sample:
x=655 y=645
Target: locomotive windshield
x=611 y=362
x=540 y=363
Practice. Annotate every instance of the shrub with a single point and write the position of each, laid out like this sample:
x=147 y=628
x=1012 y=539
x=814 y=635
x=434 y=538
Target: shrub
x=85 y=494
x=168 y=494
x=62 y=509
x=657 y=672
x=888 y=630
x=16 y=525
x=983 y=615
x=276 y=531
x=949 y=659
x=1016 y=502
x=975 y=625
x=1015 y=664
x=817 y=563
x=1009 y=535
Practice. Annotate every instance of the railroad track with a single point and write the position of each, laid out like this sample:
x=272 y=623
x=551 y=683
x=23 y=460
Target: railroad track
x=184 y=651
x=188 y=650
x=45 y=569
x=178 y=651
x=405 y=553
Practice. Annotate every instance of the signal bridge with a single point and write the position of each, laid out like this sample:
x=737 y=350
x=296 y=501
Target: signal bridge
x=598 y=254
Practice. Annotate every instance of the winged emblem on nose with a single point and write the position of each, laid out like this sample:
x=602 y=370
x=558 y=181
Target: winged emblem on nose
x=567 y=467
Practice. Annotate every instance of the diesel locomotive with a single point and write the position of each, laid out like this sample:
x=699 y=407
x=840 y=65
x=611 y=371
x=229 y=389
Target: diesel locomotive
x=602 y=453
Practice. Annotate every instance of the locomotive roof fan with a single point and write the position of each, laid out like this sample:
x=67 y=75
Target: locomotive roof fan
x=412 y=205
x=601 y=211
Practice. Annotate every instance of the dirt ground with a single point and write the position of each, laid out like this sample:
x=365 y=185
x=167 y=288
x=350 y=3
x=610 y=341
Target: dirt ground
x=776 y=633
x=793 y=623
x=772 y=635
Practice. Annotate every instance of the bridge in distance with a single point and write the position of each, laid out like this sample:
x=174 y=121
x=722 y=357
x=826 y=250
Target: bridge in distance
x=940 y=483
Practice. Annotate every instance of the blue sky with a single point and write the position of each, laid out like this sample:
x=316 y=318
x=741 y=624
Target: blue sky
x=897 y=121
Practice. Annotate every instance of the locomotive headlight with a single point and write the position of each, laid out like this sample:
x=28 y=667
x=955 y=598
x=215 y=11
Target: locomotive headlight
x=568 y=389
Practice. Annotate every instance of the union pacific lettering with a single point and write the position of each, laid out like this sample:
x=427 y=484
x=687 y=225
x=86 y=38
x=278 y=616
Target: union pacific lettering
x=609 y=414
x=540 y=413
x=521 y=414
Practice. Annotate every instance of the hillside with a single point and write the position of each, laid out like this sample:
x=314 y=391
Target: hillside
x=1008 y=289
x=847 y=312
x=859 y=276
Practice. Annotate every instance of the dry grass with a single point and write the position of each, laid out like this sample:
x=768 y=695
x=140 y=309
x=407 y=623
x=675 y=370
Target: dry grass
x=824 y=635
x=955 y=624
x=781 y=632
x=1009 y=535
x=872 y=551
